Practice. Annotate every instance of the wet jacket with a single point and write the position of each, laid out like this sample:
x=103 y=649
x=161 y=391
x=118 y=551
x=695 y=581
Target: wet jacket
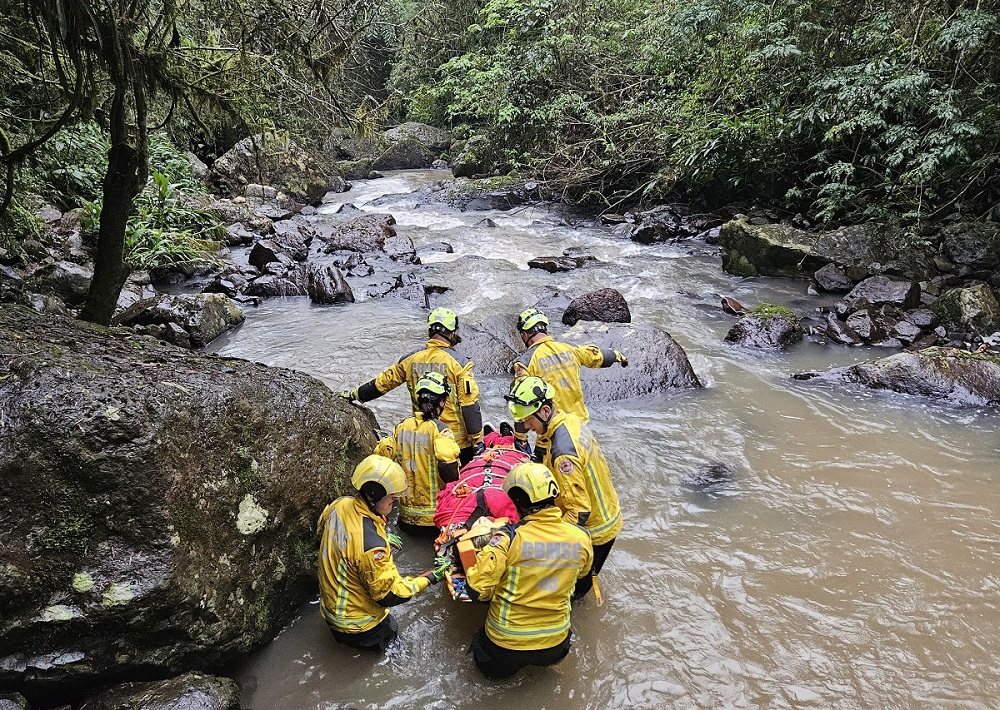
x=358 y=579
x=559 y=365
x=418 y=445
x=528 y=572
x=586 y=496
x=461 y=412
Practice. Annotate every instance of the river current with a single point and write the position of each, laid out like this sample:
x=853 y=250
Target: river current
x=852 y=559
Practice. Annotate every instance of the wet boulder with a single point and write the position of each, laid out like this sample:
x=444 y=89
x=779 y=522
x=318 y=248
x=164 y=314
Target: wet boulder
x=327 y=285
x=767 y=326
x=204 y=317
x=784 y=250
x=973 y=308
x=832 y=279
x=939 y=373
x=69 y=281
x=405 y=154
x=879 y=290
x=975 y=245
x=492 y=344
x=434 y=139
x=159 y=506
x=656 y=362
x=365 y=233
x=189 y=691
x=555 y=264
x=606 y=304
x=274 y=160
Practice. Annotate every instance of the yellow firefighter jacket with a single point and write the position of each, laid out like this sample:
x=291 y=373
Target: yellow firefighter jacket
x=559 y=364
x=586 y=496
x=528 y=572
x=358 y=579
x=461 y=412
x=418 y=446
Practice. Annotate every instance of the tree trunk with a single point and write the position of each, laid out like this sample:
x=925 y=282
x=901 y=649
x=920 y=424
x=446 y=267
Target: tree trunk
x=121 y=185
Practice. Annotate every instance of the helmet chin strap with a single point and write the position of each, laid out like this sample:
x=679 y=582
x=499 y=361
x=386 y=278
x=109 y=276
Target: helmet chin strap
x=545 y=422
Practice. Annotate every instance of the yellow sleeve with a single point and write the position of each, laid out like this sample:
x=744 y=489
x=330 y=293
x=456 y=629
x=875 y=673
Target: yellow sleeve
x=321 y=524
x=382 y=577
x=572 y=500
x=491 y=563
x=386 y=446
x=391 y=378
x=445 y=447
x=589 y=356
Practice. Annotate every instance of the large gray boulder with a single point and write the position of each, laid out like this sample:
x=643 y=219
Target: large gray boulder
x=767 y=326
x=656 y=363
x=975 y=245
x=605 y=304
x=492 y=344
x=365 y=233
x=435 y=139
x=974 y=308
x=190 y=691
x=783 y=250
x=69 y=281
x=159 y=506
x=939 y=373
x=204 y=316
x=271 y=159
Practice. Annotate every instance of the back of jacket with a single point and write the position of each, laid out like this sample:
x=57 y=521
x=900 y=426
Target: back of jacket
x=356 y=569
x=461 y=411
x=419 y=446
x=528 y=572
x=559 y=365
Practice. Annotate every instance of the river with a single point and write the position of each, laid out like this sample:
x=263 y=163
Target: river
x=852 y=561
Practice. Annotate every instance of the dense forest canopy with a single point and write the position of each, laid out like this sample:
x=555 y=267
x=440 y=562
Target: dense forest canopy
x=884 y=110
x=880 y=111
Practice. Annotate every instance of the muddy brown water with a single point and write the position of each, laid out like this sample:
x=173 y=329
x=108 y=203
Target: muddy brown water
x=786 y=545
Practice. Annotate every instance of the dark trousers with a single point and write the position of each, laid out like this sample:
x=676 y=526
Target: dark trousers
x=498 y=662
x=585 y=584
x=465 y=455
x=377 y=639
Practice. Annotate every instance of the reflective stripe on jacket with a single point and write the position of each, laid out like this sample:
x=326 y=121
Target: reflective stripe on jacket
x=528 y=572
x=586 y=495
x=559 y=365
x=358 y=579
x=461 y=411
x=418 y=446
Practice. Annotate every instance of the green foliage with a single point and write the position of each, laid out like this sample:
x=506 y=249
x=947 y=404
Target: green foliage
x=166 y=230
x=70 y=168
x=856 y=111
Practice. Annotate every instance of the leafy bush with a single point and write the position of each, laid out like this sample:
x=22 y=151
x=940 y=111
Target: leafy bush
x=851 y=110
x=69 y=170
x=165 y=231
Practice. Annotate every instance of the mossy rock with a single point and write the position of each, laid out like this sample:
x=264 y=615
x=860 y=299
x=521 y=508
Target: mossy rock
x=161 y=504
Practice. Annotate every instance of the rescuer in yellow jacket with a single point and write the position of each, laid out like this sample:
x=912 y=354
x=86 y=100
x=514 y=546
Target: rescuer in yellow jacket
x=358 y=580
x=461 y=412
x=559 y=363
x=427 y=452
x=528 y=572
x=566 y=447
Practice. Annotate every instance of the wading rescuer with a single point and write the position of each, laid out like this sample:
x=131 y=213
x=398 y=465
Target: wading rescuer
x=528 y=571
x=461 y=411
x=358 y=580
x=427 y=452
x=558 y=364
x=567 y=448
